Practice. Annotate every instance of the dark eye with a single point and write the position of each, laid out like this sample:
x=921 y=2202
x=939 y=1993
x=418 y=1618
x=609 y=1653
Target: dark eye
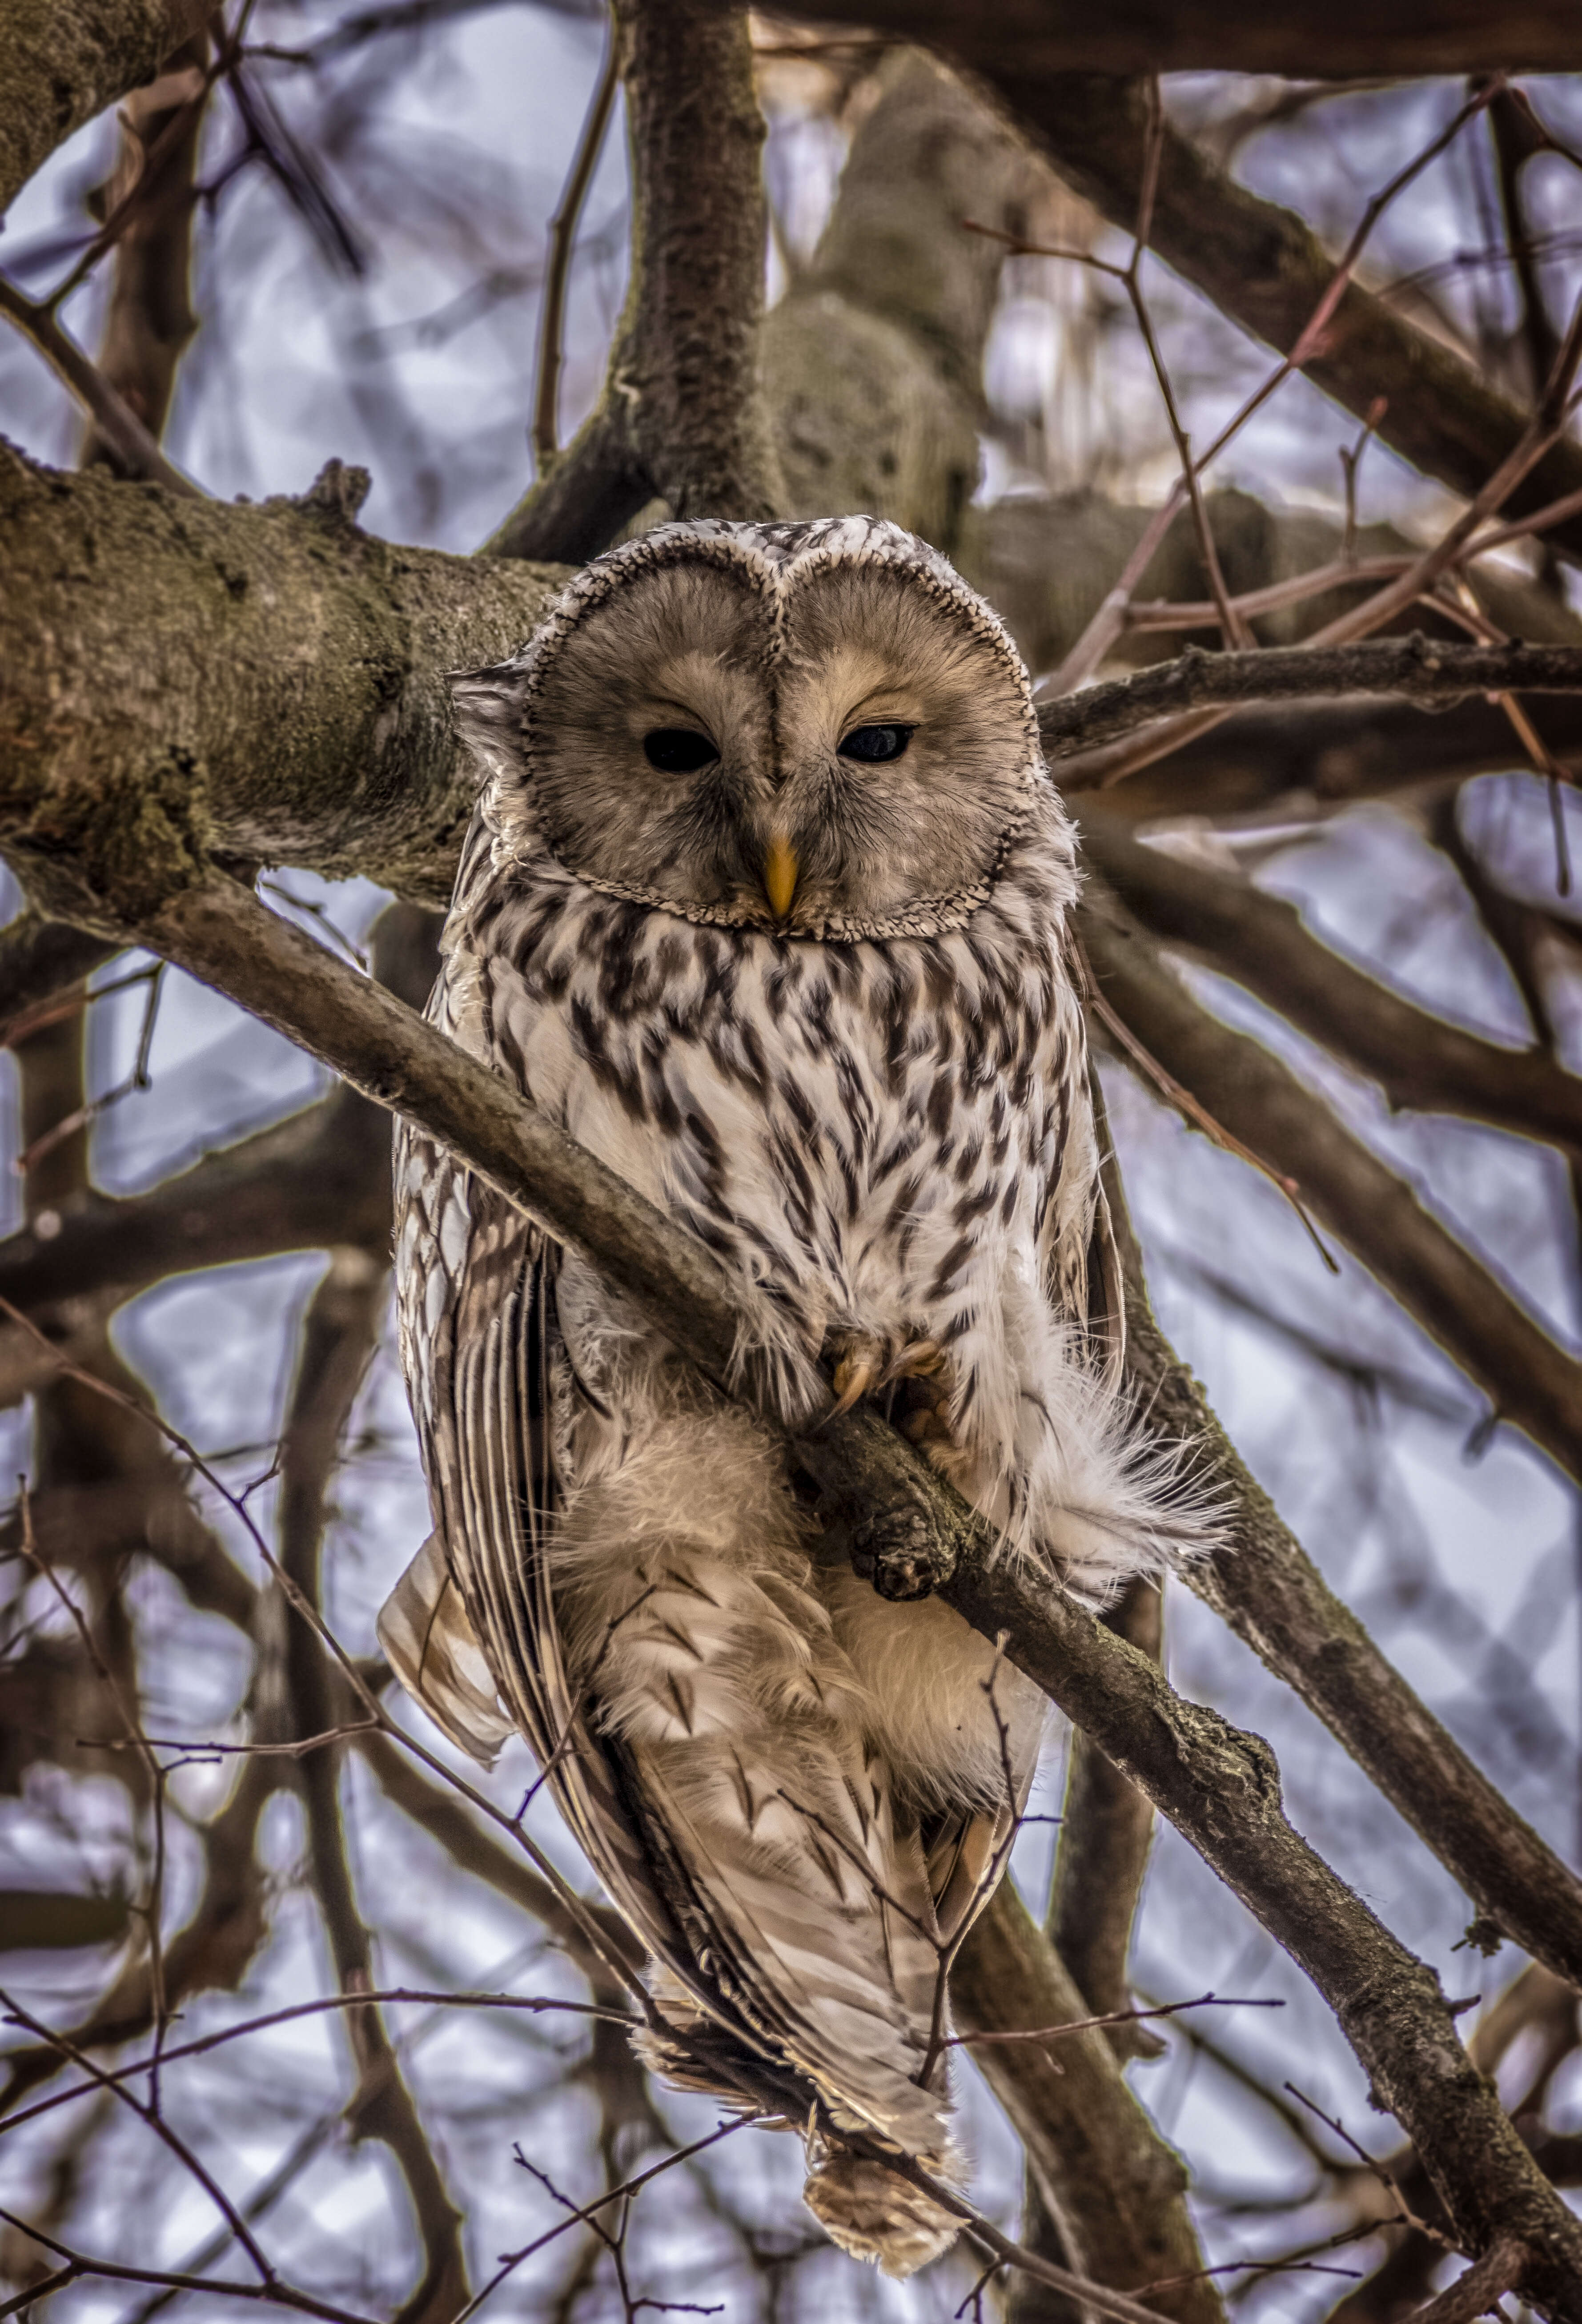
x=872 y=743
x=680 y=751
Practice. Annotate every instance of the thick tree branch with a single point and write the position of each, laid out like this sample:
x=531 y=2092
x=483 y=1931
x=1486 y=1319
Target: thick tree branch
x=1529 y=1380
x=1419 y=1060
x=681 y=418
x=61 y=61
x=279 y=694
x=1220 y=1787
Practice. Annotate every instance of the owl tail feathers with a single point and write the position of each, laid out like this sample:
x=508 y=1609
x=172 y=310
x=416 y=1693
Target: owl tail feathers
x=874 y=2214
x=434 y=1650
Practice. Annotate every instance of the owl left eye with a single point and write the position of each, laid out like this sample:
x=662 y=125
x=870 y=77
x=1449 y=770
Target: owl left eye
x=872 y=744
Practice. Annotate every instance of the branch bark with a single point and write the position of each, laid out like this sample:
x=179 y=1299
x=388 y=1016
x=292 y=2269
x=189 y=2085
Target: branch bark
x=278 y=696
x=65 y=60
x=1425 y=670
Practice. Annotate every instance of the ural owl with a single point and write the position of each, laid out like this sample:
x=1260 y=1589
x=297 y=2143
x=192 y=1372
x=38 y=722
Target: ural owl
x=766 y=902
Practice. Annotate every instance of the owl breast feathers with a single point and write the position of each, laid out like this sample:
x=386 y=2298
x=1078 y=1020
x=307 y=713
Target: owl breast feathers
x=766 y=902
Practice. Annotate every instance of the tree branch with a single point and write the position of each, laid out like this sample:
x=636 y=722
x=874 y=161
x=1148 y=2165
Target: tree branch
x=681 y=418
x=1419 y=1060
x=277 y=694
x=319 y=1178
x=1426 y=671
x=1457 y=1300
x=136 y=451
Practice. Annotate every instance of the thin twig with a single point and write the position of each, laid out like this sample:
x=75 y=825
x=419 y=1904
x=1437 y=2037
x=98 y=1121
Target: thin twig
x=562 y=229
x=116 y=420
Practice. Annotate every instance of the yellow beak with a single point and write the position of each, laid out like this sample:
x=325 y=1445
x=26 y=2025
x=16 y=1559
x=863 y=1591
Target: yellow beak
x=780 y=869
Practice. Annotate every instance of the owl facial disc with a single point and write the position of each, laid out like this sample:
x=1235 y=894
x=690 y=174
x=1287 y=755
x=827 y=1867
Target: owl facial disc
x=816 y=729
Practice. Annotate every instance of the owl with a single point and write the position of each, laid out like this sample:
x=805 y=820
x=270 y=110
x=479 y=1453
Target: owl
x=766 y=901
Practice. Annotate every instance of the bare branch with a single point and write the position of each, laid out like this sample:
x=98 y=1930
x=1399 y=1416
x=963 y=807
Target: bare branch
x=137 y=453
x=1419 y=1060
x=1426 y=671
x=1529 y=1378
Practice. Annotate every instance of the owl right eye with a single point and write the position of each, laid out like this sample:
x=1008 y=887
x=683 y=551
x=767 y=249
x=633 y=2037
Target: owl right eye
x=678 y=750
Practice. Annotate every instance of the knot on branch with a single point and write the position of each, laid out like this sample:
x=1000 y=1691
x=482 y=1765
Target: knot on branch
x=338 y=491
x=901 y=1549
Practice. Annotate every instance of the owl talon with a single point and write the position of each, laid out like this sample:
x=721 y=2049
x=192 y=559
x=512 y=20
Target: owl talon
x=855 y=1375
x=919 y=1359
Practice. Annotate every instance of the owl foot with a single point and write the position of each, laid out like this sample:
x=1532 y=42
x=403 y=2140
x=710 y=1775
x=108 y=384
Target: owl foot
x=858 y=1369
x=866 y=1363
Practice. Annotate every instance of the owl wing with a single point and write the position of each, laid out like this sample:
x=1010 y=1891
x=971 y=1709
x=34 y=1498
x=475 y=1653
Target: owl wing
x=469 y=1629
x=472 y=1633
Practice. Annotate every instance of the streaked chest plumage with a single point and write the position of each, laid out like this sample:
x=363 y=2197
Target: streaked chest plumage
x=872 y=1132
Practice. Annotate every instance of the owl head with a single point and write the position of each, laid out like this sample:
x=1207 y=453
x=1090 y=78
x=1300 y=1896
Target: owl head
x=813 y=728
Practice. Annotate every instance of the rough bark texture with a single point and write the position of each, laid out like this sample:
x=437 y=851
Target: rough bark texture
x=62 y=61
x=281 y=694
